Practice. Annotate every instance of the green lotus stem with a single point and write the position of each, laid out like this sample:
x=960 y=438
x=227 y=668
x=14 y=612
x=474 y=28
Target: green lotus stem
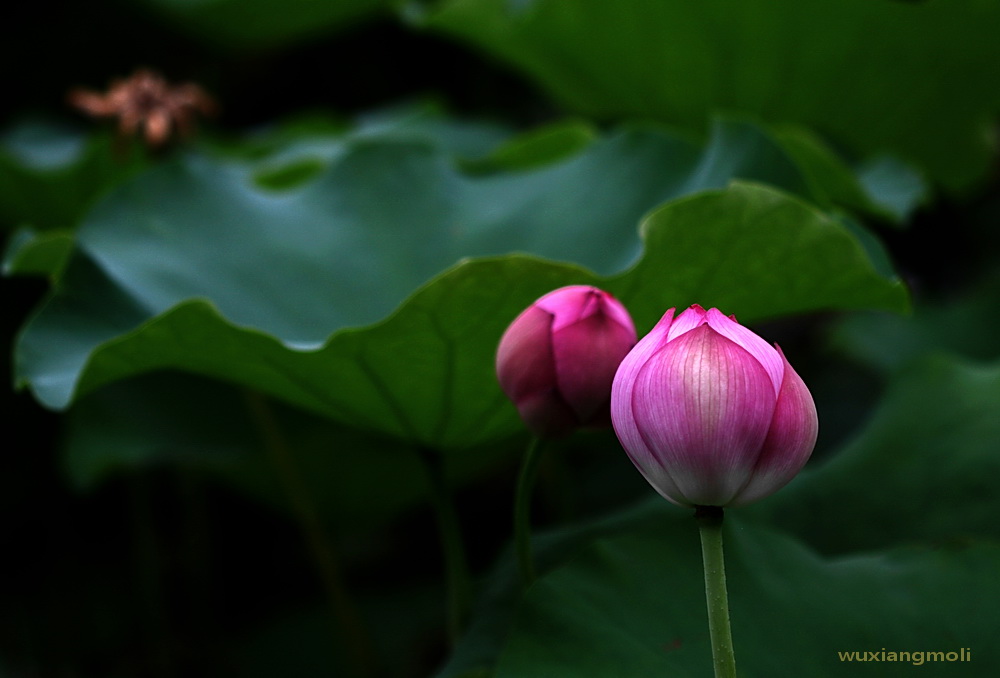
x=352 y=632
x=149 y=561
x=459 y=581
x=710 y=525
x=522 y=509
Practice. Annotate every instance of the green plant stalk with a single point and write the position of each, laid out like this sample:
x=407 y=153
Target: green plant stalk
x=522 y=509
x=459 y=581
x=710 y=526
x=149 y=565
x=352 y=632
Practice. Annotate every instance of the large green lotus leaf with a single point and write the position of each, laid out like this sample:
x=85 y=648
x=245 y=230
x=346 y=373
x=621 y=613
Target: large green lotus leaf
x=922 y=470
x=756 y=253
x=48 y=165
x=381 y=219
x=918 y=80
x=290 y=155
x=425 y=374
x=51 y=173
x=282 y=270
x=262 y=24
x=634 y=605
x=790 y=157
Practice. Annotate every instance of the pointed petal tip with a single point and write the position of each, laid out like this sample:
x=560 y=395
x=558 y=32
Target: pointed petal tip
x=574 y=303
x=692 y=317
x=767 y=356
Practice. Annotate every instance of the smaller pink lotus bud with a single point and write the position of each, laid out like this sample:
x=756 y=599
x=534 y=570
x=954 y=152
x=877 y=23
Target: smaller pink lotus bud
x=709 y=413
x=557 y=359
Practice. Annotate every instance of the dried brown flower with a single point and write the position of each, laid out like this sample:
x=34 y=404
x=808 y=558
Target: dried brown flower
x=148 y=102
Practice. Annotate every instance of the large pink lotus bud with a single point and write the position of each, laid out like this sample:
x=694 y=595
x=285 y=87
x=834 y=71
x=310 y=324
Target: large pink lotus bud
x=557 y=359
x=709 y=413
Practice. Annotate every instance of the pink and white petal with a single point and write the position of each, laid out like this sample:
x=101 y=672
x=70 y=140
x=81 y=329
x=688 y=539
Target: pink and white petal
x=703 y=405
x=570 y=304
x=758 y=348
x=587 y=355
x=621 y=406
x=790 y=439
x=524 y=360
x=637 y=357
x=663 y=483
x=691 y=318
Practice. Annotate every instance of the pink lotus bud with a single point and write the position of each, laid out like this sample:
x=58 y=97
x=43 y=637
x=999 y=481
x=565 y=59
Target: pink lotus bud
x=557 y=359
x=709 y=413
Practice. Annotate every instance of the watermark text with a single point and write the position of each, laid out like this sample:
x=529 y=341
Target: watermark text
x=917 y=658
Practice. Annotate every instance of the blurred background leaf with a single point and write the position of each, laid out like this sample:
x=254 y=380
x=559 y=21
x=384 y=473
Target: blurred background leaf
x=964 y=324
x=923 y=465
x=263 y=24
x=30 y=252
x=51 y=172
x=917 y=80
x=170 y=420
